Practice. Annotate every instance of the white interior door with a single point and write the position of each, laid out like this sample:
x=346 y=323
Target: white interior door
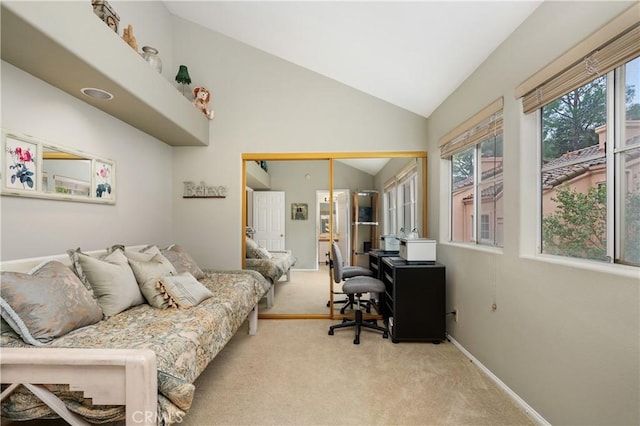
x=268 y=219
x=341 y=224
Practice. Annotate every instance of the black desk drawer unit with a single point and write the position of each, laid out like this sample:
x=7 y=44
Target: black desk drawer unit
x=375 y=260
x=414 y=300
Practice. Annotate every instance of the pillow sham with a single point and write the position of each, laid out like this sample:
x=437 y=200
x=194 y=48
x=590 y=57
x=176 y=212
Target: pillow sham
x=181 y=260
x=111 y=278
x=48 y=302
x=262 y=253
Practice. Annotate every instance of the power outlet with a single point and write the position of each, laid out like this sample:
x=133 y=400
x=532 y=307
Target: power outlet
x=455 y=315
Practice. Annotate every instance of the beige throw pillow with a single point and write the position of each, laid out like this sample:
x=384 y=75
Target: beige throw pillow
x=251 y=246
x=182 y=291
x=182 y=260
x=149 y=266
x=112 y=280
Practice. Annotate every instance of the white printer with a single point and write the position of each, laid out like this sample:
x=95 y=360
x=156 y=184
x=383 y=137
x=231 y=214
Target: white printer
x=417 y=249
x=389 y=242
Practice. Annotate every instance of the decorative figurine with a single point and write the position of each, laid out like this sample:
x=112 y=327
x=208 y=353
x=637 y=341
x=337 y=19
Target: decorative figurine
x=201 y=98
x=127 y=35
x=183 y=77
x=103 y=9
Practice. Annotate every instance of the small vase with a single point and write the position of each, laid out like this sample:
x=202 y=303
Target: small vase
x=150 y=55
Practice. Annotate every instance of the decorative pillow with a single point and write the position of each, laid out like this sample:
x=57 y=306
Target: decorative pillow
x=48 y=302
x=148 y=266
x=262 y=253
x=181 y=260
x=111 y=278
x=251 y=247
x=182 y=291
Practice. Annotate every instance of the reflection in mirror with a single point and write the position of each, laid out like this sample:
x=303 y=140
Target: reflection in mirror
x=289 y=222
x=65 y=173
x=308 y=239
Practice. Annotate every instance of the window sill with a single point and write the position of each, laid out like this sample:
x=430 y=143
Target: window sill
x=607 y=268
x=478 y=247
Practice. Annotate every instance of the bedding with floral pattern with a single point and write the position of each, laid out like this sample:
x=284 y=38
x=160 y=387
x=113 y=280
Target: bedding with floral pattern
x=271 y=264
x=184 y=340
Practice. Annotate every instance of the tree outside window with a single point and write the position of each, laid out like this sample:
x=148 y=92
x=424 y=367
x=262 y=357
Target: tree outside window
x=575 y=207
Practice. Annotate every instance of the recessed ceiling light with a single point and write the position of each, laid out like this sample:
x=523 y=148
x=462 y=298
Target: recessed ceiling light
x=97 y=93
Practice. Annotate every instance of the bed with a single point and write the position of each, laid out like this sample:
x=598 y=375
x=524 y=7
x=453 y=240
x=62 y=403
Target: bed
x=176 y=345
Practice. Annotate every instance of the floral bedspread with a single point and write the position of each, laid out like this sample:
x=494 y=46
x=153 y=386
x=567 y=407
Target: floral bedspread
x=184 y=340
x=273 y=269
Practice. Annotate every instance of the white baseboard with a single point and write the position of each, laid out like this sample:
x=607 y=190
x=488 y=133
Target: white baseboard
x=521 y=402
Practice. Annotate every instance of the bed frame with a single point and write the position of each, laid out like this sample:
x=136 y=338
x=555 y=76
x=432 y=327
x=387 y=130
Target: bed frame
x=109 y=376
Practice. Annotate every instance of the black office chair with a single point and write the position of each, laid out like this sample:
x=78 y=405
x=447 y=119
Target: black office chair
x=355 y=287
x=347 y=273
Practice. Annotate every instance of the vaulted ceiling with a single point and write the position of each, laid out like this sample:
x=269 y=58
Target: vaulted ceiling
x=410 y=54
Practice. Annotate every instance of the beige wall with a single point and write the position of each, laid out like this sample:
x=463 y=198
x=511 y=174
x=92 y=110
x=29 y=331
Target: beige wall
x=142 y=213
x=265 y=104
x=564 y=335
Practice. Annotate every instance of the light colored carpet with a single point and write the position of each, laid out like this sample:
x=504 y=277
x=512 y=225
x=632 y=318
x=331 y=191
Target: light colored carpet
x=293 y=373
x=306 y=293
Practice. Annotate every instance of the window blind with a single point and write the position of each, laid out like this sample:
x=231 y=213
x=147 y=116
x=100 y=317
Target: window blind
x=410 y=168
x=477 y=128
x=622 y=46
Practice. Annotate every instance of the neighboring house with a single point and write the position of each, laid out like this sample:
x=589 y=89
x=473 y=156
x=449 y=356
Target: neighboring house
x=586 y=167
x=492 y=208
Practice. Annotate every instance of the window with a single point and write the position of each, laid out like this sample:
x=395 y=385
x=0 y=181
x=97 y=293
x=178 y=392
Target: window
x=391 y=215
x=475 y=151
x=485 y=229
x=401 y=201
x=590 y=150
x=574 y=164
x=407 y=202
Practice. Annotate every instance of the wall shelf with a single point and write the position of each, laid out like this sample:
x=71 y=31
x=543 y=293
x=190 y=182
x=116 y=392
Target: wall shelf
x=257 y=178
x=82 y=51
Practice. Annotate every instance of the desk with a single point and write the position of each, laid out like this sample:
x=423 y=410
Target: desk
x=414 y=302
x=375 y=260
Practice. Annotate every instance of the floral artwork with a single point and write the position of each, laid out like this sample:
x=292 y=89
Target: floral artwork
x=103 y=179
x=21 y=164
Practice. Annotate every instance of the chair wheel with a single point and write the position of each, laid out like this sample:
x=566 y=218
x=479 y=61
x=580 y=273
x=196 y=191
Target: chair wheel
x=356 y=341
x=330 y=332
x=385 y=335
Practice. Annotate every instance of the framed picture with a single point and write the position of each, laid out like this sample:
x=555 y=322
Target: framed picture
x=20 y=168
x=36 y=168
x=299 y=211
x=104 y=180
